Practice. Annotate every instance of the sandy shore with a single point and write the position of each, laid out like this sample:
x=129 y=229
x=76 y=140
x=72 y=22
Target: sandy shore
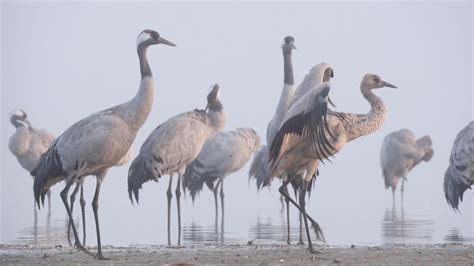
x=244 y=254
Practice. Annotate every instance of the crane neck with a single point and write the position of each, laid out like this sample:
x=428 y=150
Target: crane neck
x=368 y=123
x=145 y=69
x=217 y=117
x=288 y=68
x=285 y=97
x=20 y=123
x=136 y=111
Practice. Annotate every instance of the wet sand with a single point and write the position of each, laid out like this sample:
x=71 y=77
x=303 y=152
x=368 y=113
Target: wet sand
x=257 y=253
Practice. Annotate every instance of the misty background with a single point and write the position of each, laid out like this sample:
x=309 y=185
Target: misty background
x=64 y=61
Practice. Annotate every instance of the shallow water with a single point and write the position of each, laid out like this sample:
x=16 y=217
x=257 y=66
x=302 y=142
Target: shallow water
x=264 y=222
x=349 y=210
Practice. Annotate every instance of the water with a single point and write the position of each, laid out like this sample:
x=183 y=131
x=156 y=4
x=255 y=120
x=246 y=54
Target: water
x=263 y=221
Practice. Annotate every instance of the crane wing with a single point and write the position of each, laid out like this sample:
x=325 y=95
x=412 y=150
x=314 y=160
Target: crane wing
x=310 y=123
x=220 y=156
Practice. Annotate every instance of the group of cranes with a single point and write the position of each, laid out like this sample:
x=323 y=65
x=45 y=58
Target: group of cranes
x=103 y=139
x=192 y=146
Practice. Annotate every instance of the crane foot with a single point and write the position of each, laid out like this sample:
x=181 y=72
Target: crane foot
x=78 y=245
x=99 y=256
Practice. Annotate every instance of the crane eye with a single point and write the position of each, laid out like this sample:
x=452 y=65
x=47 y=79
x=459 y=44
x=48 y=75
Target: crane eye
x=376 y=79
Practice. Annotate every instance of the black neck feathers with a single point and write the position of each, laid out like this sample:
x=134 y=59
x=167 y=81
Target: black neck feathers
x=145 y=69
x=288 y=68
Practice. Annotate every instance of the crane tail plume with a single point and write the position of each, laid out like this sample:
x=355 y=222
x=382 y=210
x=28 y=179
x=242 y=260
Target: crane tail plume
x=455 y=184
x=138 y=174
x=194 y=179
x=42 y=198
x=48 y=172
x=259 y=168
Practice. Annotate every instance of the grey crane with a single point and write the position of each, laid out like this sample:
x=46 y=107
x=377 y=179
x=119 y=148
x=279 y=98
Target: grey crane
x=259 y=167
x=99 y=141
x=310 y=133
x=460 y=174
x=172 y=146
x=319 y=73
x=400 y=152
x=28 y=143
x=221 y=155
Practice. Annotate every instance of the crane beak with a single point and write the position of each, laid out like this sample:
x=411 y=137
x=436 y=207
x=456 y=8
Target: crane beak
x=207 y=108
x=165 y=41
x=386 y=84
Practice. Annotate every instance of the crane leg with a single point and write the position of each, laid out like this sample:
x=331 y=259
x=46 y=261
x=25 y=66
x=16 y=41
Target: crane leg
x=303 y=206
x=282 y=201
x=402 y=188
x=83 y=210
x=34 y=206
x=169 y=195
x=49 y=200
x=95 y=208
x=317 y=228
x=35 y=224
x=287 y=217
x=222 y=212
x=300 y=242
x=222 y=200
x=215 y=199
x=178 y=196
x=63 y=195
x=72 y=199
x=393 y=197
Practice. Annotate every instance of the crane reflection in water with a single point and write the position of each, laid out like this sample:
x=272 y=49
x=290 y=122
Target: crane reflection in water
x=399 y=228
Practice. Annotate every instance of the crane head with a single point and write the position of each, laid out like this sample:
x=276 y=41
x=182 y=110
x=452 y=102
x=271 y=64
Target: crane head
x=18 y=118
x=213 y=102
x=328 y=74
x=151 y=37
x=288 y=44
x=373 y=81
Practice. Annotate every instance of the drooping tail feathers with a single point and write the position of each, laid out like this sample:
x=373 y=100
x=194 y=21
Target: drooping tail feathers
x=48 y=172
x=455 y=183
x=259 y=168
x=138 y=174
x=194 y=179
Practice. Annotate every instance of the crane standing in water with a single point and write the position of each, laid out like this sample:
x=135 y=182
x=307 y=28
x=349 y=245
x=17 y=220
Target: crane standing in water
x=310 y=133
x=260 y=164
x=28 y=143
x=221 y=155
x=94 y=144
x=400 y=152
x=172 y=146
